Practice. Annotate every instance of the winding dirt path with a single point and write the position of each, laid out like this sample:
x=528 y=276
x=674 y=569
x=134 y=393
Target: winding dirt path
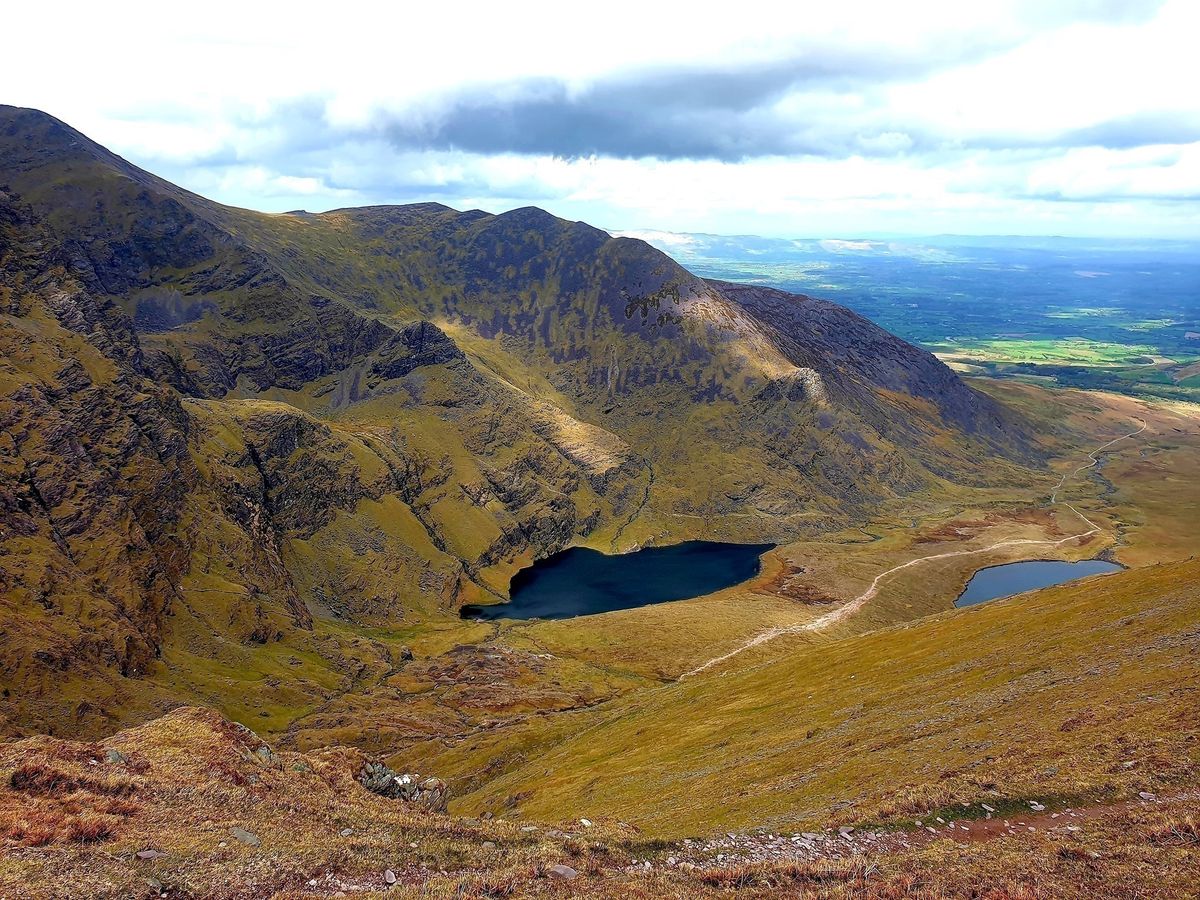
x=848 y=609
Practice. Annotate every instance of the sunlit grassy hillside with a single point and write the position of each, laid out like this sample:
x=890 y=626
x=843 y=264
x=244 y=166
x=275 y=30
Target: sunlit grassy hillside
x=1081 y=692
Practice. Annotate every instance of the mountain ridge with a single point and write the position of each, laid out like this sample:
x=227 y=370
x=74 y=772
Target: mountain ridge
x=379 y=414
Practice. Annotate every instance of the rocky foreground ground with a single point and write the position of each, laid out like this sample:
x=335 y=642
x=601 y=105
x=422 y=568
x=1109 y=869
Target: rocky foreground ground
x=192 y=805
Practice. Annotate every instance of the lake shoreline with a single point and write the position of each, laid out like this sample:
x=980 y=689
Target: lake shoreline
x=1022 y=576
x=582 y=581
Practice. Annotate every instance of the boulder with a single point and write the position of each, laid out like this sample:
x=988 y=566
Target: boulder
x=246 y=837
x=431 y=793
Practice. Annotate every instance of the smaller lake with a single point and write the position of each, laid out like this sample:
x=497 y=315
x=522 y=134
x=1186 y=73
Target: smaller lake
x=580 y=582
x=1019 y=577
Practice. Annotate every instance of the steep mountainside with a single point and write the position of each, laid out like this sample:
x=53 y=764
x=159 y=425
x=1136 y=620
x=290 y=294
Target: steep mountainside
x=229 y=436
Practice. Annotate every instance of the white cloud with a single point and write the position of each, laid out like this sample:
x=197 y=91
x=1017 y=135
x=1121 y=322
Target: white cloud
x=839 y=246
x=678 y=243
x=1095 y=173
x=275 y=106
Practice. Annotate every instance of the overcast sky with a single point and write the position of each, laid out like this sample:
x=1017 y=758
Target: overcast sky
x=786 y=119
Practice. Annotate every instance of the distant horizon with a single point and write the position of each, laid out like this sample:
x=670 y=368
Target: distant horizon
x=911 y=236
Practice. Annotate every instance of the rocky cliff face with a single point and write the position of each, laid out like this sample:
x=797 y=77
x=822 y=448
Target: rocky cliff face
x=222 y=428
x=122 y=502
x=93 y=471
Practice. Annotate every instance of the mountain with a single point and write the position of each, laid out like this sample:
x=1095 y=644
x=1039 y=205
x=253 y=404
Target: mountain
x=1004 y=307
x=225 y=432
x=252 y=466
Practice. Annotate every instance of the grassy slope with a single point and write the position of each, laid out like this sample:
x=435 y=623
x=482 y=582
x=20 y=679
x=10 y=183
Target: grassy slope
x=804 y=580
x=74 y=816
x=519 y=681
x=1050 y=693
x=72 y=825
x=1151 y=508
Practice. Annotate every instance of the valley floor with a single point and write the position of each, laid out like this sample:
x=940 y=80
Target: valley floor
x=516 y=684
x=873 y=706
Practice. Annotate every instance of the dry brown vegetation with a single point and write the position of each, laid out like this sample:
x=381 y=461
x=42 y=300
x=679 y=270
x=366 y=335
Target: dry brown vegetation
x=315 y=832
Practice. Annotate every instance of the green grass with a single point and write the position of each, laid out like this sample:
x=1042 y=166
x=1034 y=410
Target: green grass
x=955 y=708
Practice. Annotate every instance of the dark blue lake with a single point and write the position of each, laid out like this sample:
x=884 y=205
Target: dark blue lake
x=1018 y=577
x=580 y=582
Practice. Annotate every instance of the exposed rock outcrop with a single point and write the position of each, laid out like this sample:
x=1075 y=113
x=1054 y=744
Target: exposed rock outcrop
x=428 y=793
